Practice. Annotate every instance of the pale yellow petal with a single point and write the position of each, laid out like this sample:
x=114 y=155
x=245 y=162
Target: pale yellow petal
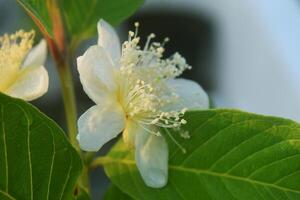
x=30 y=84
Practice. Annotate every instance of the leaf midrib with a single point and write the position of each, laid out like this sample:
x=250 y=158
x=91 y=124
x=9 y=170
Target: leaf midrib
x=107 y=160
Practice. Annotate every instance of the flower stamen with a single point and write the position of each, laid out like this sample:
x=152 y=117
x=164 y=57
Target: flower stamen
x=144 y=75
x=13 y=49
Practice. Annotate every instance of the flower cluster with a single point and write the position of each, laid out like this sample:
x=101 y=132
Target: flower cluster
x=136 y=92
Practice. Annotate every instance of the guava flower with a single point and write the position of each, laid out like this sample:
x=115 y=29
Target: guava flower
x=22 y=74
x=136 y=93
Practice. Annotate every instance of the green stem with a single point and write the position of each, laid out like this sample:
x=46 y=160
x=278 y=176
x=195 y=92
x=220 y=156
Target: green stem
x=68 y=94
x=62 y=53
x=67 y=88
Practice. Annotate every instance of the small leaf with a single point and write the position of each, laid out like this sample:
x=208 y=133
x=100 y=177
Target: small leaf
x=114 y=193
x=36 y=159
x=230 y=155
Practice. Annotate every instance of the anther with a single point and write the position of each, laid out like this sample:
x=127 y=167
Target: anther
x=131 y=34
x=183 y=121
x=152 y=35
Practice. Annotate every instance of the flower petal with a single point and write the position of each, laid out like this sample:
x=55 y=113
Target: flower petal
x=32 y=83
x=109 y=40
x=129 y=134
x=37 y=55
x=100 y=124
x=151 y=157
x=96 y=74
x=191 y=95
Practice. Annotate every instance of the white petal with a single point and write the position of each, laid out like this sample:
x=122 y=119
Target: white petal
x=96 y=74
x=31 y=83
x=191 y=95
x=100 y=124
x=152 y=159
x=37 y=55
x=109 y=40
x=130 y=132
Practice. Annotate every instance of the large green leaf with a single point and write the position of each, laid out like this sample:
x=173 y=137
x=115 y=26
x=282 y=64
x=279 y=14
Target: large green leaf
x=36 y=160
x=230 y=155
x=81 y=16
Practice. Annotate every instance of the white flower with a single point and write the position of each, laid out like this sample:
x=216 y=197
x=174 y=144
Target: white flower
x=135 y=92
x=22 y=74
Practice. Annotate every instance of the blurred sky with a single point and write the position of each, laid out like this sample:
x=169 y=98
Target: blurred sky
x=246 y=54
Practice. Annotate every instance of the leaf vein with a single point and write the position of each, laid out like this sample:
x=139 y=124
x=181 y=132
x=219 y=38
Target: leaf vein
x=270 y=192
x=272 y=163
x=177 y=190
x=216 y=174
x=256 y=152
x=228 y=190
x=52 y=163
x=29 y=152
x=68 y=176
x=196 y=129
x=286 y=176
x=5 y=150
x=7 y=195
x=212 y=137
x=258 y=191
x=238 y=145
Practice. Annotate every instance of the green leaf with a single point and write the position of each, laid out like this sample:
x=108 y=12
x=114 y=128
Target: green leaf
x=5 y=196
x=81 y=16
x=38 y=11
x=230 y=155
x=36 y=159
x=114 y=193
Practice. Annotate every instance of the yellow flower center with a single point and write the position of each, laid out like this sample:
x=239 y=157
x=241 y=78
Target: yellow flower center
x=13 y=49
